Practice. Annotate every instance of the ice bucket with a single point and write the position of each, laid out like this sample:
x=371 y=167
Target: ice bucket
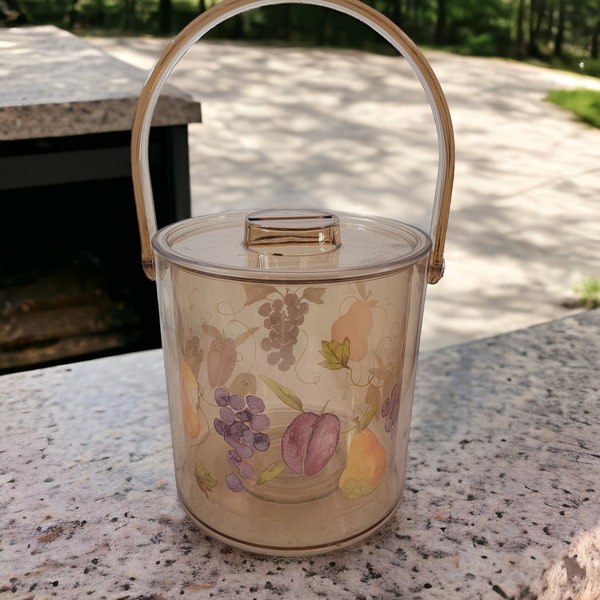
x=290 y=340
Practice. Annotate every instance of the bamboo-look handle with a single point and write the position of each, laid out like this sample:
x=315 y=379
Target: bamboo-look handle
x=225 y=9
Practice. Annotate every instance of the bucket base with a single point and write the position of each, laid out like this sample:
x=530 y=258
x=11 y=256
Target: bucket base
x=290 y=551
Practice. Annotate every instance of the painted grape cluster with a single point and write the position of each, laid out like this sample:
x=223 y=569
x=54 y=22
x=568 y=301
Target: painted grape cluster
x=283 y=317
x=391 y=408
x=283 y=313
x=241 y=424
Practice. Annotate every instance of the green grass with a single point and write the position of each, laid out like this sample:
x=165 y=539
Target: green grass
x=587 y=295
x=589 y=292
x=584 y=104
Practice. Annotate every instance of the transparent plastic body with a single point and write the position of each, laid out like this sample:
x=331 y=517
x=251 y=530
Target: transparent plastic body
x=290 y=402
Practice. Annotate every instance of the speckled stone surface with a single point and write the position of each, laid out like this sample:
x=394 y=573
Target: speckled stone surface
x=56 y=84
x=501 y=497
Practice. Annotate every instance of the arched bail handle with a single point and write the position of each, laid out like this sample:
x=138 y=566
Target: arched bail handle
x=222 y=11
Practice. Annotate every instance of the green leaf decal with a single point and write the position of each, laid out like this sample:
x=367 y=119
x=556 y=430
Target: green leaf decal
x=271 y=472
x=256 y=292
x=212 y=331
x=373 y=401
x=284 y=394
x=243 y=384
x=369 y=415
x=240 y=339
x=336 y=355
x=206 y=482
x=314 y=294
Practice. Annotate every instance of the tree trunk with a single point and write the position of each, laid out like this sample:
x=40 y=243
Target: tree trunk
x=532 y=42
x=520 y=41
x=396 y=11
x=164 y=17
x=129 y=21
x=559 y=38
x=441 y=24
x=73 y=15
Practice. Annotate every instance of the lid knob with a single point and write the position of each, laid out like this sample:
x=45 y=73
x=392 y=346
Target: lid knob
x=290 y=232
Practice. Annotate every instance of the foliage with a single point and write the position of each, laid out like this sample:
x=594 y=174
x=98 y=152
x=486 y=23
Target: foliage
x=566 y=31
x=587 y=67
x=479 y=28
x=584 y=103
x=589 y=292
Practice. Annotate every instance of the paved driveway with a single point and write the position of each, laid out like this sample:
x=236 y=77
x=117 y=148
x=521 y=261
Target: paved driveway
x=353 y=131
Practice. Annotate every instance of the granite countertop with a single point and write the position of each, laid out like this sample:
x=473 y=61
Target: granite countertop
x=501 y=497
x=57 y=84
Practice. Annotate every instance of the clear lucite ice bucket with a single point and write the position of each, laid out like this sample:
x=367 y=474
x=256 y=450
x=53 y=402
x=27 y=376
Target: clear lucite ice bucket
x=290 y=343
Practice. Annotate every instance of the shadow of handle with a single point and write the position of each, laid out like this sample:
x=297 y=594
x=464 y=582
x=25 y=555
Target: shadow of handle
x=222 y=11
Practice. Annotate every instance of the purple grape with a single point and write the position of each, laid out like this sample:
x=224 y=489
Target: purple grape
x=390 y=408
x=259 y=422
x=265 y=309
x=221 y=427
x=242 y=450
x=243 y=415
x=237 y=402
x=238 y=429
x=247 y=438
x=291 y=300
x=246 y=470
x=255 y=404
x=233 y=458
x=234 y=483
x=222 y=397
x=261 y=442
x=227 y=415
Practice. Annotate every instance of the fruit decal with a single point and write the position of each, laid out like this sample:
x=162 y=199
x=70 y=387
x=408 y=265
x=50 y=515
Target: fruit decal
x=222 y=354
x=355 y=325
x=231 y=351
x=350 y=333
x=365 y=467
x=309 y=442
x=390 y=408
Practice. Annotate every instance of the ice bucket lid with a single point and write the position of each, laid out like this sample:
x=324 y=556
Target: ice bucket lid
x=291 y=245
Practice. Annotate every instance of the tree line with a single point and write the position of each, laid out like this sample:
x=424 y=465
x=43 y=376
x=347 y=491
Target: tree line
x=539 y=29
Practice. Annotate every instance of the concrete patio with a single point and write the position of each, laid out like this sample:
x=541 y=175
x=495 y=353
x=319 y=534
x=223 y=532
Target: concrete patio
x=353 y=131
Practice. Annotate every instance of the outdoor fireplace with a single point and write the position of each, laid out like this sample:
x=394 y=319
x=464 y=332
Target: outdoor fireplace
x=71 y=286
